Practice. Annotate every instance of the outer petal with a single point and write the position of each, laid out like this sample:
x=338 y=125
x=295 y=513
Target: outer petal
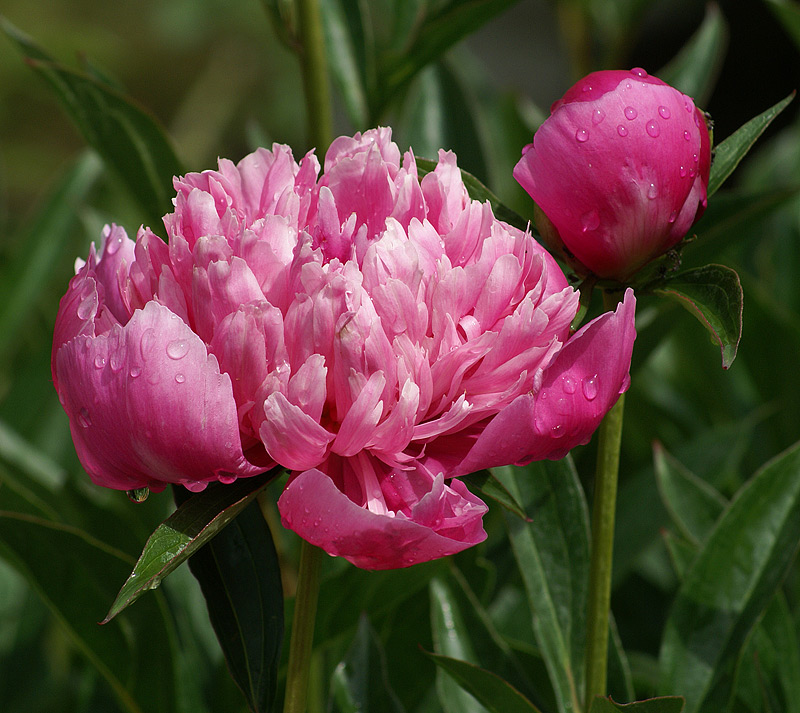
x=320 y=513
x=147 y=405
x=579 y=387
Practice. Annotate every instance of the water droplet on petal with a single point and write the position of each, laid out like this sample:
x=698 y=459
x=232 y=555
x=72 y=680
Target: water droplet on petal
x=586 y=88
x=117 y=361
x=673 y=216
x=639 y=72
x=687 y=136
x=697 y=120
x=630 y=113
x=87 y=306
x=178 y=348
x=652 y=191
x=695 y=157
x=582 y=135
x=683 y=171
x=138 y=495
x=597 y=116
x=688 y=105
x=569 y=385
x=692 y=172
x=83 y=418
x=146 y=342
x=99 y=361
x=226 y=478
x=114 y=244
x=664 y=112
x=135 y=371
x=557 y=431
x=590 y=221
x=652 y=128
x=621 y=130
x=590 y=387
x=180 y=378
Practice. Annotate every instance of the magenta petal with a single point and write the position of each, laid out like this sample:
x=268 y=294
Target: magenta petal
x=579 y=387
x=147 y=405
x=320 y=513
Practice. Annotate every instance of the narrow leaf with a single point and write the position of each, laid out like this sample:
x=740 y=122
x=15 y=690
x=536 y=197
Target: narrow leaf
x=239 y=574
x=694 y=69
x=128 y=138
x=732 y=580
x=789 y=15
x=552 y=554
x=713 y=294
x=730 y=152
x=495 y=694
x=184 y=532
x=479 y=192
x=489 y=486
x=666 y=704
x=693 y=504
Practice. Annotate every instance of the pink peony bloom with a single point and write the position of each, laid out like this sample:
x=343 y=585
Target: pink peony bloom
x=620 y=169
x=375 y=334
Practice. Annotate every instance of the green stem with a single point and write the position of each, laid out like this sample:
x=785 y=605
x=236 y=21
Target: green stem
x=301 y=646
x=315 y=75
x=603 y=512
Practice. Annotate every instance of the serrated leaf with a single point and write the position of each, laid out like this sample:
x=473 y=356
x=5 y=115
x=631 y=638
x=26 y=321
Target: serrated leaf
x=128 y=138
x=730 y=152
x=489 y=486
x=184 y=532
x=360 y=683
x=495 y=694
x=552 y=554
x=732 y=580
x=693 y=504
x=694 y=69
x=240 y=577
x=665 y=704
x=713 y=294
x=479 y=192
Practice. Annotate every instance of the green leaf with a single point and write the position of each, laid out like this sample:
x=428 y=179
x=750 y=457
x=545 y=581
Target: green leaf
x=694 y=69
x=128 y=138
x=693 y=504
x=730 y=152
x=478 y=192
x=496 y=695
x=348 y=44
x=22 y=280
x=360 y=682
x=239 y=574
x=489 y=486
x=184 y=532
x=779 y=635
x=713 y=294
x=732 y=580
x=666 y=704
x=552 y=554
x=451 y=638
x=789 y=15
x=443 y=28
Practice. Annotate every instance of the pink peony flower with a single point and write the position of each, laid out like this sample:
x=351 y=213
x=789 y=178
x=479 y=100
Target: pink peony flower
x=375 y=334
x=620 y=169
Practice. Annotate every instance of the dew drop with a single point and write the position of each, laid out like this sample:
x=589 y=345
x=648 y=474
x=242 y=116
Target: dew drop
x=695 y=157
x=178 y=348
x=557 y=431
x=590 y=221
x=621 y=130
x=135 y=371
x=590 y=387
x=117 y=361
x=687 y=136
x=652 y=191
x=99 y=361
x=697 y=120
x=673 y=216
x=113 y=245
x=664 y=112
x=628 y=85
x=83 y=417
x=87 y=306
x=683 y=171
x=652 y=128
x=639 y=72
x=138 y=495
x=180 y=378
x=630 y=113
x=597 y=116
x=569 y=385
x=146 y=342
x=227 y=478
x=586 y=88
x=687 y=103
x=582 y=135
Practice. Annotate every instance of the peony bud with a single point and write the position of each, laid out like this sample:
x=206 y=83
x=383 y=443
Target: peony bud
x=619 y=171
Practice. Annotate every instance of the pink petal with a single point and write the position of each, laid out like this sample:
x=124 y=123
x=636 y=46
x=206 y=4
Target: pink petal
x=449 y=521
x=147 y=405
x=291 y=437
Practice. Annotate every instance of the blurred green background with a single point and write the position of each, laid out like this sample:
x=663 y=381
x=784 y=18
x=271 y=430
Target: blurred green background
x=221 y=82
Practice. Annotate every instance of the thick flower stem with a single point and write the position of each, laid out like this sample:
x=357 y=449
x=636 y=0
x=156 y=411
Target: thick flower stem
x=301 y=647
x=315 y=75
x=602 y=546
